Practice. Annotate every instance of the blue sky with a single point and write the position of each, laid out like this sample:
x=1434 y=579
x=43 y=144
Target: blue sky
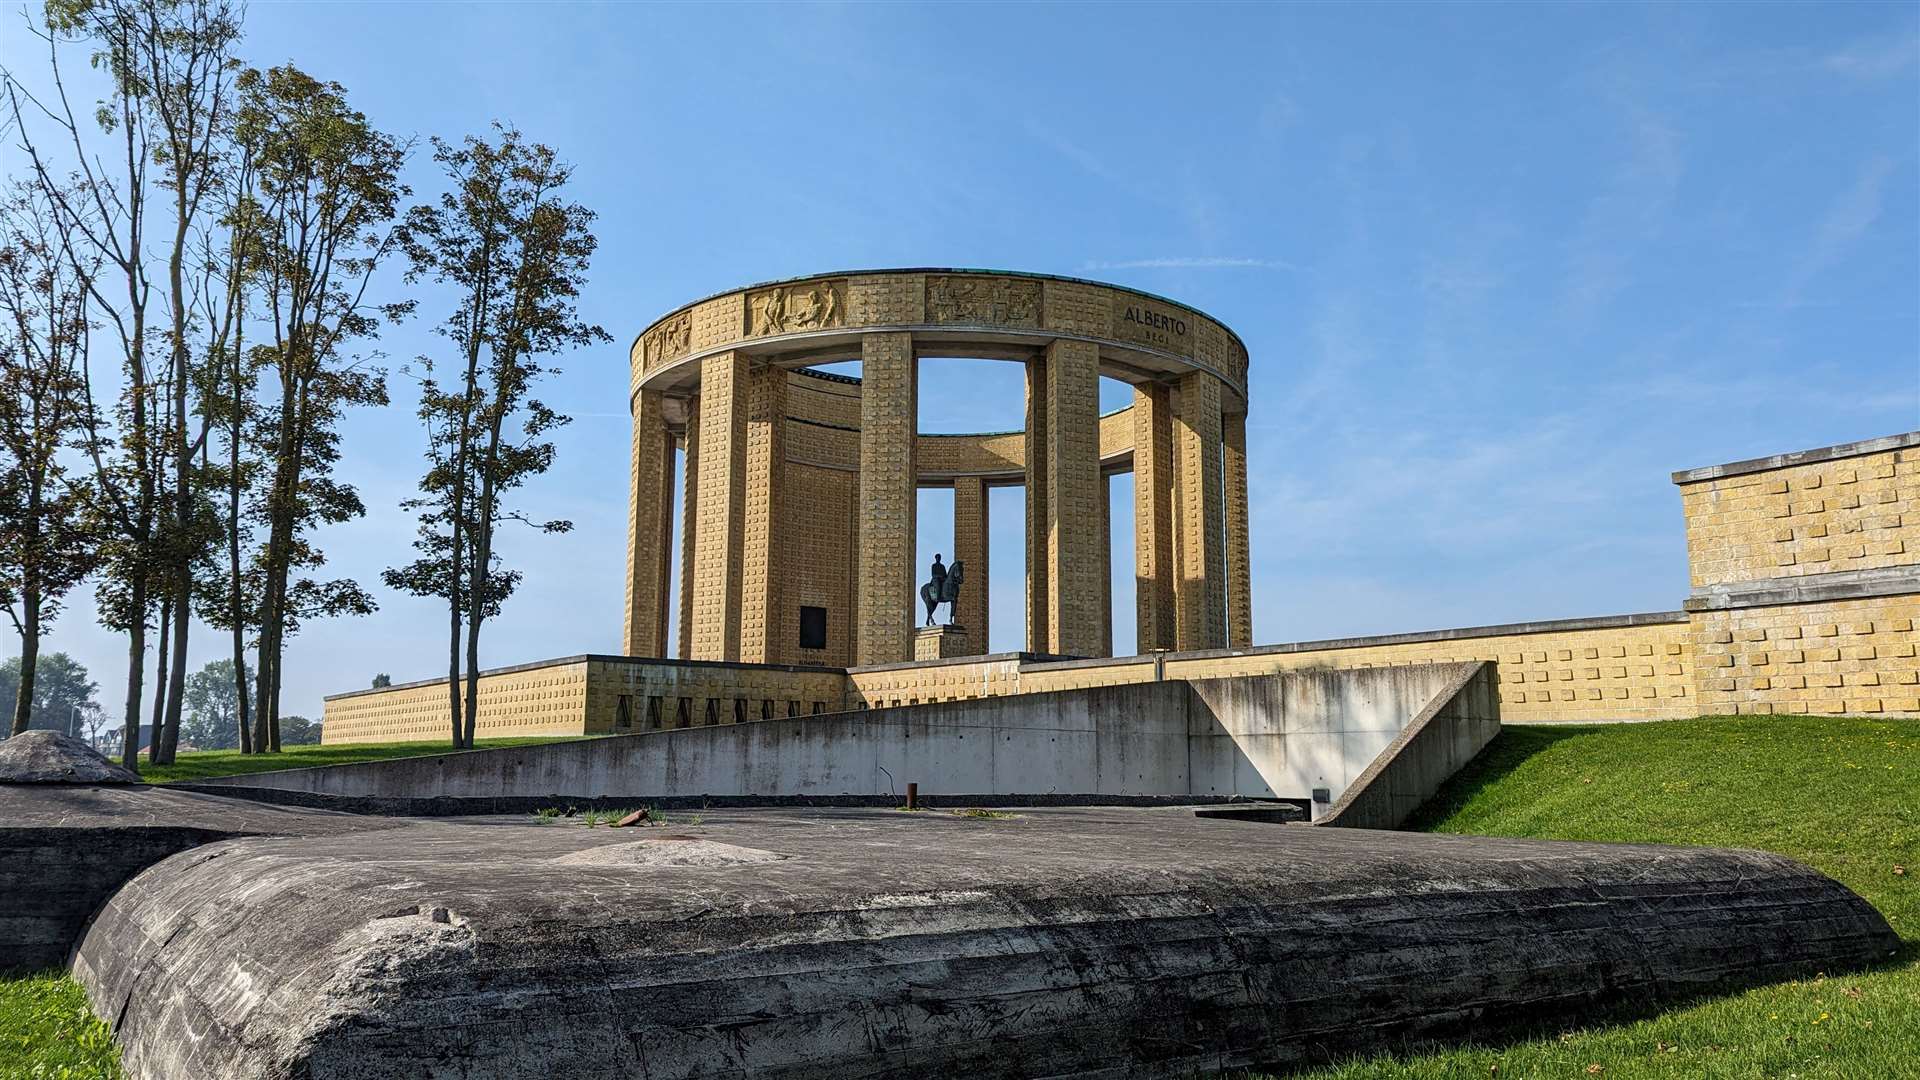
x=1500 y=268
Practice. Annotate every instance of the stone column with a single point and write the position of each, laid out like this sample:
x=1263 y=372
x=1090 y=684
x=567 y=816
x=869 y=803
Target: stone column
x=1199 y=599
x=1034 y=444
x=718 y=532
x=970 y=547
x=1074 y=490
x=1105 y=548
x=649 y=528
x=1239 y=555
x=1153 y=484
x=689 y=515
x=889 y=421
x=767 y=635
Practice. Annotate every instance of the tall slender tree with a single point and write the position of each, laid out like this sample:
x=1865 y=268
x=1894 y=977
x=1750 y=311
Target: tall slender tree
x=328 y=189
x=44 y=335
x=170 y=68
x=516 y=254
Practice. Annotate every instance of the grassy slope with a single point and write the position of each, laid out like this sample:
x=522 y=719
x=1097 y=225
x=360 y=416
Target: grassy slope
x=1842 y=795
x=198 y=764
x=48 y=1033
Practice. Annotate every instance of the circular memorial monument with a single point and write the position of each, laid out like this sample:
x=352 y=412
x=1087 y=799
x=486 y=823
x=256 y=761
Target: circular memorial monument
x=800 y=485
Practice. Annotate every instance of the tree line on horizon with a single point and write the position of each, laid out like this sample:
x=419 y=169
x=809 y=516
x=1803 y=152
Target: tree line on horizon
x=188 y=310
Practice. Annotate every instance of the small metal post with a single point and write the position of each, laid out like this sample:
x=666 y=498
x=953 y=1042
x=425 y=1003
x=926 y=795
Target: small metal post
x=913 y=796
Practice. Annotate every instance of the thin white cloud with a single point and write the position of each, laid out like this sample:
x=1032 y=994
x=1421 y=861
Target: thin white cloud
x=1192 y=262
x=1877 y=58
x=1847 y=220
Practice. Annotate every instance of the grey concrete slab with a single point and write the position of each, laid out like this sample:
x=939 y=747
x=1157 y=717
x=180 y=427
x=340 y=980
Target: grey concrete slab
x=879 y=943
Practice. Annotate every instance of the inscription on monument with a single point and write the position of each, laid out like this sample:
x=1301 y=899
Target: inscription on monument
x=968 y=298
x=669 y=340
x=1146 y=324
x=787 y=309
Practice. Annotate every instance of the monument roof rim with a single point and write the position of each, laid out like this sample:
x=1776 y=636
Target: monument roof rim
x=1035 y=275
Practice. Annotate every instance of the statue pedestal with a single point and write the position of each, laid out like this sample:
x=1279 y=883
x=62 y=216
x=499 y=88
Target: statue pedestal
x=940 y=642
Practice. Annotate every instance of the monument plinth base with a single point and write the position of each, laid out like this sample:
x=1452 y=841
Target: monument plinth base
x=940 y=642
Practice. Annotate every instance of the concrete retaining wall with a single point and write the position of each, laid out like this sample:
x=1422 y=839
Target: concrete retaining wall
x=1277 y=735
x=1455 y=726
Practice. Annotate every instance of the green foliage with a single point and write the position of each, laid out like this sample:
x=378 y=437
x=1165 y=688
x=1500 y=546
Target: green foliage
x=212 y=703
x=47 y=1032
x=981 y=813
x=1840 y=794
x=297 y=730
x=514 y=254
x=63 y=691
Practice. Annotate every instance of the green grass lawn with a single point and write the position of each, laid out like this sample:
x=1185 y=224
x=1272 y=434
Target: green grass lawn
x=199 y=764
x=1842 y=795
x=48 y=1033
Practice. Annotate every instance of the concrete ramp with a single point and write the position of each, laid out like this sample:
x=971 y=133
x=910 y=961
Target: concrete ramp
x=1286 y=735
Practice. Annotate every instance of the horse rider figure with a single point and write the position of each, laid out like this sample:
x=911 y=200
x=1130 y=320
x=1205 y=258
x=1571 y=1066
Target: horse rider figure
x=943 y=589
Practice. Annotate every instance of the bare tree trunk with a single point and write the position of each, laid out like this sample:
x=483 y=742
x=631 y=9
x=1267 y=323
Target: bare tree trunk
x=160 y=684
x=235 y=612
x=479 y=575
x=29 y=656
x=136 y=667
x=274 y=728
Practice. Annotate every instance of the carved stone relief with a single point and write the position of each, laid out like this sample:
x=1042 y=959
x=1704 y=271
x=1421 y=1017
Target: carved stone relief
x=788 y=309
x=669 y=340
x=992 y=301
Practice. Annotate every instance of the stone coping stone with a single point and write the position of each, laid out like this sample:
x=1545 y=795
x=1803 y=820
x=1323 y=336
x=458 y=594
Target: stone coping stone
x=878 y=943
x=582 y=658
x=55 y=757
x=436 y=806
x=1798 y=457
x=1807 y=588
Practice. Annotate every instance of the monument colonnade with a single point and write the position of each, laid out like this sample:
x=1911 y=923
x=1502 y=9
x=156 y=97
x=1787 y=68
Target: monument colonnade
x=800 y=488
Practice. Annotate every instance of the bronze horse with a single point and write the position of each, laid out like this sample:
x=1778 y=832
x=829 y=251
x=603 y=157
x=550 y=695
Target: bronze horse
x=946 y=595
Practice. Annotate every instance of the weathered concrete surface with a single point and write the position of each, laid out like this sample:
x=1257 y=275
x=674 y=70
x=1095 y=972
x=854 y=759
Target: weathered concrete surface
x=54 y=757
x=1265 y=736
x=1454 y=727
x=65 y=848
x=877 y=943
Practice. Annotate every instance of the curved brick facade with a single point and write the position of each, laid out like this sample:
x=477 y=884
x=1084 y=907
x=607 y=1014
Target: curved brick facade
x=801 y=485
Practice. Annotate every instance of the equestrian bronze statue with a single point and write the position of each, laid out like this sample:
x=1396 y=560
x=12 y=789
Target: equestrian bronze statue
x=943 y=589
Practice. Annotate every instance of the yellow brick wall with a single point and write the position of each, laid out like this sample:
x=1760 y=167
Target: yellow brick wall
x=1848 y=513
x=820 y=569
x=547 y=700
x=1847 y=656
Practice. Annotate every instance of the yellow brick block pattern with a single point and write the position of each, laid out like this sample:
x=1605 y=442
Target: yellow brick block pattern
x=889 y=411
x=1239 y=579
x=1035 y=440
x=1199 y=598
x=1853 y=513
x=1153 y=523
x=970 y=531
x=765 y=638
x=689 y=516
x=1848 y=656
x=649 y=529
x=1076 y=498
x=718 y=530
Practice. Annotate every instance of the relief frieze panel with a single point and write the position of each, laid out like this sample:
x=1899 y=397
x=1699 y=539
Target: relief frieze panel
x=669 y=341
x=979 y=300
x=788 y=309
